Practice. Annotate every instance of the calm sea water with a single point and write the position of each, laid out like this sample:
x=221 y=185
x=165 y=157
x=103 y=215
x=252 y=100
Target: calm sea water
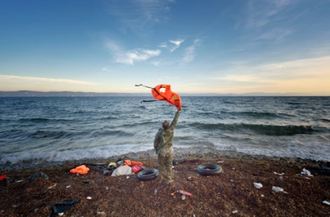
x=63 y=128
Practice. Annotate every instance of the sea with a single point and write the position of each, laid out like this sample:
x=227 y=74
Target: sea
x=39 y=130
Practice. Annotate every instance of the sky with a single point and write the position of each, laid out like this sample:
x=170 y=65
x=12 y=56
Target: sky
x=196 y=46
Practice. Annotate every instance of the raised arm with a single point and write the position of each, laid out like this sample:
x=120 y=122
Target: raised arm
x=175 y=119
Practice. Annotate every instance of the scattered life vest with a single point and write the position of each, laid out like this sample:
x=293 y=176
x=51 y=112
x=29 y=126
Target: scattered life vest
x=82 y=170
x=132 y=163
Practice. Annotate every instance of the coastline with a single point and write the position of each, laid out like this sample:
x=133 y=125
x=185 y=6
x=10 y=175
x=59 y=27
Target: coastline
x=230 y=193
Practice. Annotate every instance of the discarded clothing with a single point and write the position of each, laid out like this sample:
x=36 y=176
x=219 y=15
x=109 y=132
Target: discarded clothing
x=3 y=177
x=82 y=170
x=62 y=206
x=122 y=170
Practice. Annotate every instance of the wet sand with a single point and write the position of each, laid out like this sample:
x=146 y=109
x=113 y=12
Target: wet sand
x=230 y=193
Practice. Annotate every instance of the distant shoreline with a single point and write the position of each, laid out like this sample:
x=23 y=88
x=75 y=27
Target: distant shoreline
x=28 y=93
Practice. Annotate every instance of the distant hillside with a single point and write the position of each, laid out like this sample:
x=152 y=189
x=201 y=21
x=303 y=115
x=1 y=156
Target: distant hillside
x=28 y=93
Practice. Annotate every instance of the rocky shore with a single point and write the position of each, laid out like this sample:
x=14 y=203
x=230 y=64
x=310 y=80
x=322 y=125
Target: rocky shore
x=231 y=193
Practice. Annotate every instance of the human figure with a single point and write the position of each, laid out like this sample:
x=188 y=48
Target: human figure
x=163 y=145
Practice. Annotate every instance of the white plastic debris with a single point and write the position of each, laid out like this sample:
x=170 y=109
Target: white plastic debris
x=306 y=172
x=61 y=213
x=326 y=202
x=89 y=198
x=234 y=211
x=257 y=185
x=280 y=174
x=278 y=189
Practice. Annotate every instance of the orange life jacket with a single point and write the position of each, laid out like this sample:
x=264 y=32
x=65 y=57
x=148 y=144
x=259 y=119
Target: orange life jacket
x=132 y=163
x=80 y=169
x=169 y=96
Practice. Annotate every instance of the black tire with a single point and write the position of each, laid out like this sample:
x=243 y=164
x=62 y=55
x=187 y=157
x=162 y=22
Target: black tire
x=148 y=174
x=209 y=169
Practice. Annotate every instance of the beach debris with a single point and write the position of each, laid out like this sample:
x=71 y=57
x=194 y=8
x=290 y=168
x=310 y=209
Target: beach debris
x=89 y=198
x=122 y=170
x=220 y=162
x=86 y=181
x=61 y=213
x=234 y=211
x=183 y=197
x=82 y=170
x=326 y=202
x=100 y=213
x=68 y=186
x=37 y=175
x=280 y=174
x=3 y=179
x=281 y=178
x=190 y=178
x=155 y=191
x=257 y=185
x=262 y=195
x=52 y=186
x=176 y=162
x=61 y=207
x=306 y=172
x=184 y=192
x=278 y=189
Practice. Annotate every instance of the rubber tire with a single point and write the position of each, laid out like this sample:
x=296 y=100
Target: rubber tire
x=148 y=174
x=209 y=169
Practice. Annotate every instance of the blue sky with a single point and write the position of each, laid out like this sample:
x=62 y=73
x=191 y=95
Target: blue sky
x=206 y=46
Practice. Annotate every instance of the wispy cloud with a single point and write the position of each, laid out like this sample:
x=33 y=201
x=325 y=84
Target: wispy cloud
x=129 y=57
x=262 y=12
x=172 y=45
x=276 y=34
x=13 y=78
x=268 y=19
x=190 y=52
x=140 y=15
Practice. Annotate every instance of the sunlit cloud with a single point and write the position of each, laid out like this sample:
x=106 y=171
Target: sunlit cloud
x=190 y=52
x=303 y=75
x=131 y=56
x=172 y=45
x=14 y=78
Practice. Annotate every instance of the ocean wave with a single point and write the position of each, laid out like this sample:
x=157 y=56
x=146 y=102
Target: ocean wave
x=273 y=130
x=32 y=159
x=38 y=120
x=48 y=134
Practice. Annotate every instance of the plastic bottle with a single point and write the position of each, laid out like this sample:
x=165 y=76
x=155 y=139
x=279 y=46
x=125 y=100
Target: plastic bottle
x=184 y=193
